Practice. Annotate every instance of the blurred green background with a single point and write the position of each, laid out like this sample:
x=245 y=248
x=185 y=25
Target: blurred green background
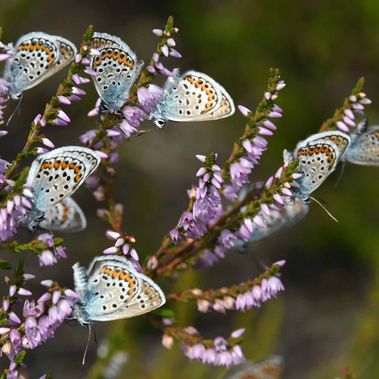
x=328 y=317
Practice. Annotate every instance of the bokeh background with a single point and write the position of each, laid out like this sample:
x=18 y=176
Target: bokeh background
x=328 y=317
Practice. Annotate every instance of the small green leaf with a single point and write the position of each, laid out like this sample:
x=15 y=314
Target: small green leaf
x=20 y=357
x=19 y=270
x=5 y=265
x=165 y=313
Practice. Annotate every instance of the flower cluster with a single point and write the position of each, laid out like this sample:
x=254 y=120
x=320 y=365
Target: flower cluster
x=166 y=48
x=254 y=216
x=249 y=149
x=38 y=320
x=14 y=211
x=344 y=118
x=205 y=201
x=123 y=245
x=240 y=297
x=218 y=352
x=51 y=253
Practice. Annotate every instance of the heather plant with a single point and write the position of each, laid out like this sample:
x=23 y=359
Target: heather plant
x=226 y=210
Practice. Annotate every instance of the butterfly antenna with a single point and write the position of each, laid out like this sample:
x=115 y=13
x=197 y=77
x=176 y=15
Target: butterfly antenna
x=95 y=336
x=15 y=111
x=324 y=208
x=342 y=170
x=144 y=131
x=259 y=262
x=86 y=349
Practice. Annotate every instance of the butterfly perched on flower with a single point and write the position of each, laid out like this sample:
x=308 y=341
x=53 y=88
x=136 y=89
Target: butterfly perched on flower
x=111 y=289
x=318 y=157
x=364 y=148
x=53 y=177
x=116 y=67
x=192 y=96
x=36 y=57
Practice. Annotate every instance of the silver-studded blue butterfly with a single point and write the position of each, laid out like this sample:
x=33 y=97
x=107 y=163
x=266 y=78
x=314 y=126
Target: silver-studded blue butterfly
x=36 y=57
x=55 y=175
x=290 y=215
x=64 y=216
x=318 y=157
x=111 y=289
x=364 y=148
x=192 y=96
x=116 y=69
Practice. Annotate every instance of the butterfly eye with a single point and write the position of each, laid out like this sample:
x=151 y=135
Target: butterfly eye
x=103 y=108
x=160 y=123
x=16 y=96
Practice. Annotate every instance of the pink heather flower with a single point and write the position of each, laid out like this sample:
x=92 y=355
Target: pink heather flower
x=149 y=97
x=14 y=212
x=110 y=250
x=167 y=341
x=112 y=234
x=220 y=355
x=245 y=111
x=133 y=115
x=152 y=263
x=47 y=258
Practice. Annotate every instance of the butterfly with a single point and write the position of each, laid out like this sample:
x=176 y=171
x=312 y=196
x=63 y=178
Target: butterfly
x=193 y=96
x=37 y=56
x=112 y=289
x=364 y=149
x=318 y=157
x=270 y=368
x=116 y=69
x=289 y=216
x=55 y=175
x=65 y=216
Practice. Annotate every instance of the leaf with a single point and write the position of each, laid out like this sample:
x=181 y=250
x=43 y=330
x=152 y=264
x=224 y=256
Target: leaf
x=5 y=265
x=20 y=357
x=19 y=270
x=165 y=313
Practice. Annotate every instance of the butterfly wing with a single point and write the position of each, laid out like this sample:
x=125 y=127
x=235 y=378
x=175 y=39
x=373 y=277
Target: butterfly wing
x=365 y=148
x=67 y=51
x=116 y=69
x=65 y=216
x=59 y=173
x=112 y=283
x=317 y=160
x=149 y=298
x=290 y=216
x=341 y=140
x=270 y=368
x=37 y=56
x=194 y=96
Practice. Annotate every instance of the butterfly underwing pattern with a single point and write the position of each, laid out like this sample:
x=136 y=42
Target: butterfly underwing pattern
x=55 y=175
x=192 y=96
x=317 y=160
x=36 y=57
x=270 y=368
x=289 y=216
x=364 y=149
x=64 y=216
x=116 y=67
x=112 y=289
x=341 y=140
